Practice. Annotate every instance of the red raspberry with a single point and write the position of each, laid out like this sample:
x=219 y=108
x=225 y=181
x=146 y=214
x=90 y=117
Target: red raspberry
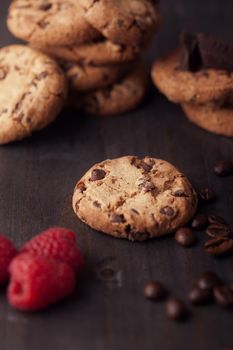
x=7 y=253
x=37 y=282
x=57 y=243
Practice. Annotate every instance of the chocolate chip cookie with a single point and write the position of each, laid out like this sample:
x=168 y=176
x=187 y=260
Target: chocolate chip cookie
x=118 y=98
x=123 y=21
x=102 y=52
x=183 y=86
x=50 y=22
x=134 y=198
x=218 y=120
x=32 y=92
x=84 y=78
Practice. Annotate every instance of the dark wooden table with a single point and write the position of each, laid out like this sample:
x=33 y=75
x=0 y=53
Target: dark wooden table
x=37 y=177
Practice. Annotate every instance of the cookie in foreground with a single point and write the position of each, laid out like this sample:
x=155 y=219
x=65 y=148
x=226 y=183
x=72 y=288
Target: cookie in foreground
x=134 y=198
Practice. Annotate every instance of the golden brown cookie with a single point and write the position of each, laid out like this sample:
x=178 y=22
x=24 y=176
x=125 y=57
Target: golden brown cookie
x=118 y=98
x=123 y=21
x=211 y=118
x=182 y=86
x=98 y=53
x=134 y=198
x=84 y=78
x=50 y=22
x=32 y=92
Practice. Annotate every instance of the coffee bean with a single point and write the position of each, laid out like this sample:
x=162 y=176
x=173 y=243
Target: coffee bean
x=208 y=280
x=223 y=296
x=200 y=296
x=219 y=245
x=207 y=195
x=176 y=309
x=154 y=291
x=223 y=168
x=97 y=174
x=218 y=230
x=185 y=237
x=199 y=222
x=216 y=219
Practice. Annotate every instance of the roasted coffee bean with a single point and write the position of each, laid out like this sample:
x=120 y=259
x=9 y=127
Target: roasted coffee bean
x=185 y=237
x=223 y=168
x=154 y=291
x=97 y=174
x=199 y=222
x=224 y=296
x=208 y=280
x=207 y=195
x=200 y=296
x=216 y=219
x=219 y=245
x=176 y=309
x=218 y=230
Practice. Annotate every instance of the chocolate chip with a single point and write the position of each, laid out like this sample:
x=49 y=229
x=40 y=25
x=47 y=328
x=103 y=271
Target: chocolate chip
x=135 y=211
x=145 y=166
x=81 y=187
x=208 y=280
x=179 y=193
x=219 y=246
x=176 y=309
x=138 y=236
x=97 y=204
x=147 y=185
x=185 y=237
x=216 y=219
x=199 y=222
x=200 y=296
x=218 y=230
x=223 y=296
x=120 y=23
x=223 y=168
x=169 y=211
x=207 y=195
x=97 y=174
x=45 y=6
x=154 y=291
x=118 y=218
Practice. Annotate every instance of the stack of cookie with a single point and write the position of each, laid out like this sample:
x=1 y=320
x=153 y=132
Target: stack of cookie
x=96 y=42
x=199 y=76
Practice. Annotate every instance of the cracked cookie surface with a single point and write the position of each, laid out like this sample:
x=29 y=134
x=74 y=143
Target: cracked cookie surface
x=134 y=198
x=123 y=21
x=50 y=22
x=182 y=86
x=32 y=92
x=123 y=96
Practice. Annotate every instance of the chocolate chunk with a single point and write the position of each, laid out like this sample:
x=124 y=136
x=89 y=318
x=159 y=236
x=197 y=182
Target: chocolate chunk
x=190 y=59
x=199 y=222
x=81 y=187
x=97 y=204
x=138 y=236
x=145 y=166
x=118 y=218
x=45 y=6
x=207 y=195
x=176 y=309
x=147 y=185
x=154 y=291
x=185 y=237
x=179 y=193
x=169 y=211
x=219 y=246
x=218 y=230
x=224 y=296
x=223 y=168
x=215 y=53
x=198 y=296
x=208 y=280
x=97 y=174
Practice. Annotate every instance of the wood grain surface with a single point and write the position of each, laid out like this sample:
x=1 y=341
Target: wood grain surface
x=37 y=177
